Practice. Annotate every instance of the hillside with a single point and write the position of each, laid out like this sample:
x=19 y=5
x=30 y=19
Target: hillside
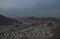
x=5 y=20
x=31 y=28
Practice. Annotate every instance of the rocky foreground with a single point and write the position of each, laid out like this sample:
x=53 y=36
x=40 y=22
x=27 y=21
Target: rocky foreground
x=31 y=29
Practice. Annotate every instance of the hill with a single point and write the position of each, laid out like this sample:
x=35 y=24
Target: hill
x=5 y=20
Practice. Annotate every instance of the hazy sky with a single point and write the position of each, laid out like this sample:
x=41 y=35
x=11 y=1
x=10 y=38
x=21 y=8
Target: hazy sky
x=24 y=8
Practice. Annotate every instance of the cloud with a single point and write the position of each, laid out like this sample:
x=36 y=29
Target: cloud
x=30 y=7
x=23 y=3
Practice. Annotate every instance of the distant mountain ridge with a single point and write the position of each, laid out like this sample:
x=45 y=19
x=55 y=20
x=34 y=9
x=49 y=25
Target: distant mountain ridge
x=43 y=18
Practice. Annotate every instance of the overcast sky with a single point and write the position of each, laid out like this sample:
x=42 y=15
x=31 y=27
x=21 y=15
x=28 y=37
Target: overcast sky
x=24 y=8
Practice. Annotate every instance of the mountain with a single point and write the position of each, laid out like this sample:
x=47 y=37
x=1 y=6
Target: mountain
x=48 y=18
x=5 y=20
